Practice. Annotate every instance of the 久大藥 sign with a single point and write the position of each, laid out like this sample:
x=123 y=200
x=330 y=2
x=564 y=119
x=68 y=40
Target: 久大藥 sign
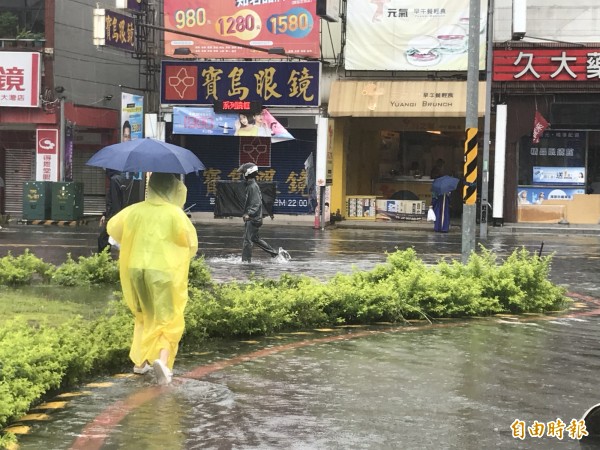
x=544 y=64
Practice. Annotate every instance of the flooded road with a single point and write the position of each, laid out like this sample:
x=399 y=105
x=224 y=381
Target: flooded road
x=450 y=385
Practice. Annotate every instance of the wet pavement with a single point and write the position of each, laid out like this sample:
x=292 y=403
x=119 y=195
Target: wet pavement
x=451 y=385
x=323 y=253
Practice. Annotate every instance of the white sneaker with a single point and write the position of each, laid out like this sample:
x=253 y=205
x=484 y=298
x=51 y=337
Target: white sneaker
x=142 y=370
x=163 y=374
x=284 y=254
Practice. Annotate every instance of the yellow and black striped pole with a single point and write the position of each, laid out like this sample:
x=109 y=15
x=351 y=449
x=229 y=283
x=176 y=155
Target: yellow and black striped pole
x=470 y=168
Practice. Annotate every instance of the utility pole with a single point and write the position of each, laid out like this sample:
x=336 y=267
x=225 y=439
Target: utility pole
x=485 y=176
x=470 y=162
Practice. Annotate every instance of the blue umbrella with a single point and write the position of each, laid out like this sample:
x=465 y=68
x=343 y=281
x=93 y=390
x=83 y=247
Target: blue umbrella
x=146 y=155
x=444 y=185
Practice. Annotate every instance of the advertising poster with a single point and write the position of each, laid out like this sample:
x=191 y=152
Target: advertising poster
x=205 y=121
x=535 y=195
x=132 y=117
x=291 y=25
x=559 y=175
x=411 y=35
x=20 y=79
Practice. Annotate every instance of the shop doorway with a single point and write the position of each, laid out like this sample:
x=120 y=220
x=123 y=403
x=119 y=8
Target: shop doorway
x=397 y=158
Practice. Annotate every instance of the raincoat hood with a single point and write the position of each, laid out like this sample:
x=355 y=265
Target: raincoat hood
x=166 y=187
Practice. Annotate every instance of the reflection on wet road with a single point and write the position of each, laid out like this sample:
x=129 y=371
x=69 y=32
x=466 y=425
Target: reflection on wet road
x=454 y=385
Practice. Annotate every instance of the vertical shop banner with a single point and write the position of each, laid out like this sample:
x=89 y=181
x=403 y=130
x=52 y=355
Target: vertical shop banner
x=119 y=31
x=411 y=35
x=132 y=117
x=46 y=163
x=205 y=121
x=69 y=153
x=20 y=78
x=272 y=83
x=291 y=25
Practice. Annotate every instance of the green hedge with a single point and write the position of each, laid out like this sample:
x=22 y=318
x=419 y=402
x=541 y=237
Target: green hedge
x=35 y=362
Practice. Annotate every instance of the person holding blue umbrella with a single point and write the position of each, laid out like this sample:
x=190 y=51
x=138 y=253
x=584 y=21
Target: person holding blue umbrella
x=441 y=188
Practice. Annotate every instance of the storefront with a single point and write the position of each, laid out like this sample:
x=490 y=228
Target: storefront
x=86 y=132
x=395 y=134
x=279 y=135
x=552 y=153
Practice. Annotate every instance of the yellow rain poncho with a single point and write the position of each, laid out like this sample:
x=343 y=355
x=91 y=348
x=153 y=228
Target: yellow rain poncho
x=157 y=242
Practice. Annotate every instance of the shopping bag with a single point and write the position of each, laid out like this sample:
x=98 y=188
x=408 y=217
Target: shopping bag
x=431 y=215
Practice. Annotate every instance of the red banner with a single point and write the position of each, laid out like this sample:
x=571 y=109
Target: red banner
x=539 y=126
x=288 y=24
x=557 y=64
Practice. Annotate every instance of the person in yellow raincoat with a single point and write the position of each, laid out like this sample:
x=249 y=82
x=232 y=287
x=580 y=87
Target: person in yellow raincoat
x=157 y=242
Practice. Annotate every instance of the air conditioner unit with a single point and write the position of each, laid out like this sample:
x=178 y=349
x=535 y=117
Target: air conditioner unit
x=329 y=10
x=519 y=19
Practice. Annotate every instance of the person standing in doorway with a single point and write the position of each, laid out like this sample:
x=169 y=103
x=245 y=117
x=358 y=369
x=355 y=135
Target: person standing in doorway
x=158 y=242
x=253 y=207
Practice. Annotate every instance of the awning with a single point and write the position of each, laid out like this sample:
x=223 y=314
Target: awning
x=401 y=99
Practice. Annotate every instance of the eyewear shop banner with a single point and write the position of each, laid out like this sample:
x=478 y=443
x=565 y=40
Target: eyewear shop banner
x=411 y=35
x=270 y=83
x=288 y=24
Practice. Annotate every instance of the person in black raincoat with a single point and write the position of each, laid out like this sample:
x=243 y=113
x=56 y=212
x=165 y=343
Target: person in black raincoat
x=115 y=201
x=253 y=214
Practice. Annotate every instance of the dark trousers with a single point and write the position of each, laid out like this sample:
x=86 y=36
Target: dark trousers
x=103 y=239
x=251 y=237
x=441 y=208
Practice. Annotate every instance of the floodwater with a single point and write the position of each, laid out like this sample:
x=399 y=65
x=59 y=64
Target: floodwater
x=450 y=385
x=453 y=385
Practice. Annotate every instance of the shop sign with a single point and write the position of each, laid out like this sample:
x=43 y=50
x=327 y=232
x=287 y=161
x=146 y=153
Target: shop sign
x=543 y=64
x=411 y=35
x=47 y=154
x=271 y=83
x=290 y=25
x=20 y=79
x=401 y=99
x=119 y=31
x=236 y=106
